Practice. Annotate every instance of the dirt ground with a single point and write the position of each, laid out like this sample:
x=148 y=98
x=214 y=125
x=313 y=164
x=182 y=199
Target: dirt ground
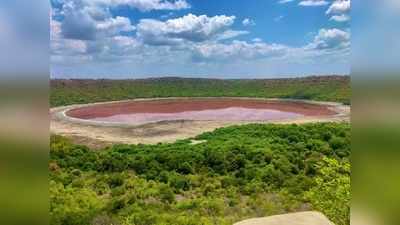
x=301 y=218
x=100 y=134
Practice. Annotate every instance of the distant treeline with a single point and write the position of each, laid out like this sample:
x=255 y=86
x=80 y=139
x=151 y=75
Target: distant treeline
x=239 y=172
x=322 y=88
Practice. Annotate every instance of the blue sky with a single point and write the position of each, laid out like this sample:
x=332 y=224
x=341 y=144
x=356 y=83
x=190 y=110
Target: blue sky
x=199 y=38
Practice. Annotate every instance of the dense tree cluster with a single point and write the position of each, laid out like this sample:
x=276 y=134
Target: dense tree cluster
x=237 y=173
x=323 y=88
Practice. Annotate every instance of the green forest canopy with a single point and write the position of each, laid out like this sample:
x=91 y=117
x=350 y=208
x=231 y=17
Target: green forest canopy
x=321 y=88
x=239 y=172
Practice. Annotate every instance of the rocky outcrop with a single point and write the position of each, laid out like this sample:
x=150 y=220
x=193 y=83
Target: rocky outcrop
x=301 y=218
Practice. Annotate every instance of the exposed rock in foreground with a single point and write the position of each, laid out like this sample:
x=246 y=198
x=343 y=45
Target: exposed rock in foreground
x=302 y=218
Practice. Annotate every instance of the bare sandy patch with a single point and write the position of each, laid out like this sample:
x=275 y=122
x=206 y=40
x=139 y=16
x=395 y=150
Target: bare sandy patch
x=301 y=218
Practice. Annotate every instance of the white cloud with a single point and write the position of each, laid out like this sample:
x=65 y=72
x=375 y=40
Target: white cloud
x=88 y=34
x=340 y=18
x=145 y=5
x=66 y=51
x=284 y=1
x=229 y=34
x=332 y=43
x=58 y=45
x=248 y=22
x=339 y=7
x=187 y=28
x=115 y=25
x=237 y=50
x=330 y=39
x=55 y=29
x=123 y=46
x=125 y=41
x=88 y=22
x=313 y=3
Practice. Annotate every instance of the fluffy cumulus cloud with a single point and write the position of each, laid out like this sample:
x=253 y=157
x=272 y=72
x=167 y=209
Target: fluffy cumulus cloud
x=340 y=10
x=339 y=7
x=330 y=40
x=86 y=32
x=86 y=22
x=313 y=3
x=64 y=46
x=237 y=50
x=82 y=32
x=115 y=25
x=187 y=28
x=109 y=48
x=327 y=41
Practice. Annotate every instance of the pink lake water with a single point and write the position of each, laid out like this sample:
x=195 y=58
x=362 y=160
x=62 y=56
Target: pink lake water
x=225 y=114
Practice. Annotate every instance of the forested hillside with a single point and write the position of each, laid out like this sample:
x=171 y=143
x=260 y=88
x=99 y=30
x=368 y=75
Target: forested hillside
x=238 y=172
x=322 y=88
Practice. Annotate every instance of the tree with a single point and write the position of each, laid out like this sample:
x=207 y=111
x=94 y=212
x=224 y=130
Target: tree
x=331 y=193
x=166 y=194
x=70 y=206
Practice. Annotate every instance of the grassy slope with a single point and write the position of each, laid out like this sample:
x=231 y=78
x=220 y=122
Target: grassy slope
x=330 y=88
x=240 y=172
